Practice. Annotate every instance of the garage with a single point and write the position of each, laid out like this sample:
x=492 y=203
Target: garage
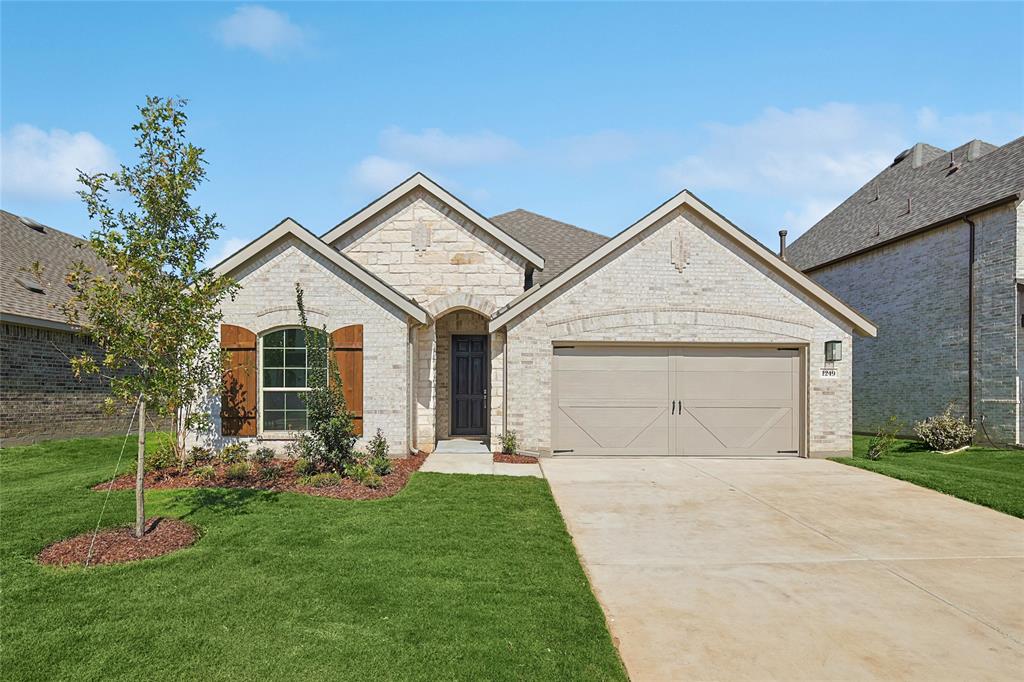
x=686 y=400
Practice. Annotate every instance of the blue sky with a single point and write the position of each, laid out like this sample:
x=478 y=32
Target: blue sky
x=589 y=113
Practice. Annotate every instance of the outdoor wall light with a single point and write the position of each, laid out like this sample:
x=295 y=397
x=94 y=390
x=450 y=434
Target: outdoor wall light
x=833 y=351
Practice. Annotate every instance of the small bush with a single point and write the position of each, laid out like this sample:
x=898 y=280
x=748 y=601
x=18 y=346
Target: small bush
x=162 y=458
x=378 y=451
x=944 y=431
x=363 y=474
x=239 y=471
x=509 y=443
x=303 y=467
x=325 y=480
x=381 y=466
x=234 y=452
x=262 y=455
x=271 y=472
x=205 y=473
x=198 y=456
x=884 y=440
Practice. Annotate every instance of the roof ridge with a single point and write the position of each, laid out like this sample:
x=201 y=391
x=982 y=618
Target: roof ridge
x=554 y=220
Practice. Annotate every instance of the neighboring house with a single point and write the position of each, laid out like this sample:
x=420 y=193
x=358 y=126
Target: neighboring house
x=931 y=250
x=680 y=335
x=40 y=397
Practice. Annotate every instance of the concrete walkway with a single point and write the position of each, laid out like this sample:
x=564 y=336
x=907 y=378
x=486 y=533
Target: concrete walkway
x=472 y=457
x=718 y=569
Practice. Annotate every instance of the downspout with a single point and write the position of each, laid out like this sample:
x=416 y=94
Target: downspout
x=970 y=323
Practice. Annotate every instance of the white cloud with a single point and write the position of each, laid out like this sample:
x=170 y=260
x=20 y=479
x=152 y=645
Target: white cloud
x=378 y=174
x=953 y=130
x=37 y=164
x=261 y=29
x=434 y=147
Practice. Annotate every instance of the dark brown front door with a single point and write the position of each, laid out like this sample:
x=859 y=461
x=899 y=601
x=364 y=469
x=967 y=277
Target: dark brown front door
x=469 y=385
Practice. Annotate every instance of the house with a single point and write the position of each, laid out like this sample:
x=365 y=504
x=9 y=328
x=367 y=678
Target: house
x=681 y=335
x=40 y=397
x=931 y=249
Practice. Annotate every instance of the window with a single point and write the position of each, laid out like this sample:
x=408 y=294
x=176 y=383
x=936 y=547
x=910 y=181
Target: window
x=285 y=369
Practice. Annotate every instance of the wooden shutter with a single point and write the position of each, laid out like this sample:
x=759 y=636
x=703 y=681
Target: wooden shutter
x=347 y=346
x=238 y=399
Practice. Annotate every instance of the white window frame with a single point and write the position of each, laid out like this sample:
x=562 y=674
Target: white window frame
x=261 y=432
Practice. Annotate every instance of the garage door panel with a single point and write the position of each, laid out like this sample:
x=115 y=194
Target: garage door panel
x=627 y=430
x=702 y=385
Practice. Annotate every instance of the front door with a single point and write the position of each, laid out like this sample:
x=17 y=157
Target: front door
x=469 y=385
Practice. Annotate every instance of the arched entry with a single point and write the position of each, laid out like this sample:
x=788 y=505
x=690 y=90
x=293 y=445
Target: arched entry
x=462 y=375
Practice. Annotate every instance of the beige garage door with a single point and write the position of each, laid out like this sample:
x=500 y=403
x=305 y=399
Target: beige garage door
x=623 y=400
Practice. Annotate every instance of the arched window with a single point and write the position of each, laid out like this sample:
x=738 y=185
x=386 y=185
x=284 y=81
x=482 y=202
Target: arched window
x=285 y=370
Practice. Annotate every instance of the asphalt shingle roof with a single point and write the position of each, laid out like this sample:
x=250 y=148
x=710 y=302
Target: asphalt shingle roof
x=560 y=244
x=981 y=175
x=55 y=251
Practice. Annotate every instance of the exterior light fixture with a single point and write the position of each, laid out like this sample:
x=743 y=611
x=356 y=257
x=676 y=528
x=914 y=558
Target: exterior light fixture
x=833 y=351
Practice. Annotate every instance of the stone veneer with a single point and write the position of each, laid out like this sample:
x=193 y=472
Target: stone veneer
x=680 y=281
x=916 y=291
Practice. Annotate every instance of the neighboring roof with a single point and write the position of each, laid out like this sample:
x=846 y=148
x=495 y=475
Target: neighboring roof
x=981 y=175
x=421 y=181
x=23 y=297
x=289 y=227
x=561 y=244
x=537 y=295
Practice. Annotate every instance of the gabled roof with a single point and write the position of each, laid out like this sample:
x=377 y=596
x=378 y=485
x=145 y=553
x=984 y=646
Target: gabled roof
x=561 y=244
x=421 y=181
x=23 y=297
x=922 y=188
x=289 y=227
x=538 y=295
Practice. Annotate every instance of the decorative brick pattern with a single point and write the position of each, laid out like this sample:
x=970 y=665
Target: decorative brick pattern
x=720 y=296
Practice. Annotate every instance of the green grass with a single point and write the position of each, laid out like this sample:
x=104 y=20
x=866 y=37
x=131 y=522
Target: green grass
x=987 y=476
x=456 y=577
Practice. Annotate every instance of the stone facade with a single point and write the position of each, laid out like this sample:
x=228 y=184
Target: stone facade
x=41 y=398
x=266 y=301
x=917 y=291
x=650 y=293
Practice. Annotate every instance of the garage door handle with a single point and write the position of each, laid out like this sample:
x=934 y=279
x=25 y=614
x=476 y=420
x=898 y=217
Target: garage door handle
x=673 y=407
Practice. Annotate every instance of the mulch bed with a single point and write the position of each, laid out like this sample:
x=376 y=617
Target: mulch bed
x=514 y=459
x=288 y=481
x=119 y=545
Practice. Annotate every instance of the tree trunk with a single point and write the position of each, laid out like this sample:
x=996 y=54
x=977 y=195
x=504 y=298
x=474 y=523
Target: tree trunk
x=140 y=501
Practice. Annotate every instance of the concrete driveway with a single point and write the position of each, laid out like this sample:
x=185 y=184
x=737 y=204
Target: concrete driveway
x=718 y=569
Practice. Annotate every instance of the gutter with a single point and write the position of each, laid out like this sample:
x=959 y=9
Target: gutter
x=913 y=233
x=38 y=322
x=970 y=323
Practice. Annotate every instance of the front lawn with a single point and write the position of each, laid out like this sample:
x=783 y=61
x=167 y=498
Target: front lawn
x=987 y=476
x=456 y=577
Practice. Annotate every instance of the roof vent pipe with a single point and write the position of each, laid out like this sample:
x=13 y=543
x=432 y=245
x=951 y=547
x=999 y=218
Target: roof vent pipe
x=782 y=244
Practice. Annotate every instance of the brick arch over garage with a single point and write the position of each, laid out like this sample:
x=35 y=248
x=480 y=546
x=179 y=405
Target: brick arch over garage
x=460 y=300
x=645 y=322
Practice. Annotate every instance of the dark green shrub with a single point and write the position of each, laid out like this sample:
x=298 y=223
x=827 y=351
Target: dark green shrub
x=262 y=455
x=239 y=471
x=234 y=452
x=378 y=450
x=884 y=440
x=198 y=456
x=363 y=474
x=303 y=467
x=509 y=443
x=205 y=473
x=163 y=458
x=271 y=472
x=327 y=479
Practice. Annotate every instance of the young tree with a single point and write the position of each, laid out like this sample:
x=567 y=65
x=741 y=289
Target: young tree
x=154 y=313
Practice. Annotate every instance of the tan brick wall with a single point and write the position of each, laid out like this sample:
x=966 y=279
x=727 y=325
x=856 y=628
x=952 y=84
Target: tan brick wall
x=716 y=295
x=266 y=301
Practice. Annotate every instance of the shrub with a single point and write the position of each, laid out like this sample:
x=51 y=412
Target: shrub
x=238 y=471
x=234 y=452
x=325 y=480
x=363 y=474
x=944 y=431
x=163 y=458
x=262 y=455
x=884 y=440
x=205 y=473
x=378 y=451
x=509 y=443
x=198 y=456
x=303 y=467
x=271 y=472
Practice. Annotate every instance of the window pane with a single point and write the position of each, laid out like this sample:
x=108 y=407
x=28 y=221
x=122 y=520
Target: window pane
x=273 y=420
x=295 y=377
x=273 y=357
x=273 y=377
x=295 y=421
x=273 y=400
x=274 y=340
x=295 y=338
x=294 y=401
x=294 y=358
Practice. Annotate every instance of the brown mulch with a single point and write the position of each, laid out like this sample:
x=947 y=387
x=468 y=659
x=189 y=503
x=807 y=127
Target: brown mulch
x=288 y=481
x=119 y=545
x=514 y=459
